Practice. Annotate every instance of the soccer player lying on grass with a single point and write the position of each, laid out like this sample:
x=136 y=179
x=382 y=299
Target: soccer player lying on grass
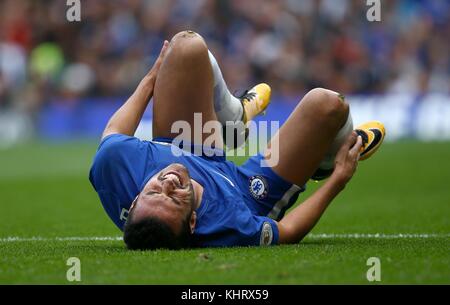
x=161 y=200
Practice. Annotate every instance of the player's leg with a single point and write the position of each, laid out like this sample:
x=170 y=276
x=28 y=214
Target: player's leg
x=226 y=106
x=305 y=138
x=326 y=166
x=234 y=112
x=184 y=86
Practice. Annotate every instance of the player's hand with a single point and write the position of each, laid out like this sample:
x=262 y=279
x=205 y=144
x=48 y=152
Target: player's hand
x=153 y=73
x=347 y=158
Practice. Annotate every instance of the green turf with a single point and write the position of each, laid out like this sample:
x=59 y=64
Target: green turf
x=44 y=191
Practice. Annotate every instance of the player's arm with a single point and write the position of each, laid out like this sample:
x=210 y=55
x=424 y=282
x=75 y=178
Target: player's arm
x=127 y=118
x=295 y=225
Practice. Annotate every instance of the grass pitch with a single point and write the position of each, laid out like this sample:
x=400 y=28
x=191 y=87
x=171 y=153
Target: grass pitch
x=45 y=197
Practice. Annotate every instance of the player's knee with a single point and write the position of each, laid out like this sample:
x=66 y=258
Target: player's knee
x=328 y=103
x=189 y=44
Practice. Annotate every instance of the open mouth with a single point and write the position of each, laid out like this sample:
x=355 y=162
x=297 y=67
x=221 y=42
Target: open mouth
x=175 y=177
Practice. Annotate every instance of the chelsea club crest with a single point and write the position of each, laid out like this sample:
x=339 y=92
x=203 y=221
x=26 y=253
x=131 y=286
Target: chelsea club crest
x=258 y=187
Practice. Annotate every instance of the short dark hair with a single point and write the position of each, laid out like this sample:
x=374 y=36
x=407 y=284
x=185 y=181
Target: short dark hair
x=153 y=233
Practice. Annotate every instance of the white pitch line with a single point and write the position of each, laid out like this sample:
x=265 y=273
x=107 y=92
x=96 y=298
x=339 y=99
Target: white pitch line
x=380 y=235
x=311 y=236
x=74 y=238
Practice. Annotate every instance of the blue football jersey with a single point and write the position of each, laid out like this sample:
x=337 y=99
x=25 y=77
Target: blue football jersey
x=124 y=164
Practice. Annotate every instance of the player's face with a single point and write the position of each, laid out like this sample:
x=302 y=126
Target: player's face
x=169 y=194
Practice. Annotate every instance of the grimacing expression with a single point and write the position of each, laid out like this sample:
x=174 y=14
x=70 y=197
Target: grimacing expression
x=169 y=195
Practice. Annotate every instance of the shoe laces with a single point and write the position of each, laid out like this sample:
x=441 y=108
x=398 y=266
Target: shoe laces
x=246 y=96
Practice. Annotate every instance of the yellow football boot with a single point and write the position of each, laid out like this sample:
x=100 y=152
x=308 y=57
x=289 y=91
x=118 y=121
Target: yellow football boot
x=372 y=134
x=254 y=102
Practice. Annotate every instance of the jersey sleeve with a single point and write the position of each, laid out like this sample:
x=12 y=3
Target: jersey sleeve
x=266 y=232
x=247 y=229
x=236 y=226
x=118 y=171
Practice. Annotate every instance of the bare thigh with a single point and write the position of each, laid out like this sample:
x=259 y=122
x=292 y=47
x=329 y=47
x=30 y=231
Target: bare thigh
x=184 y=86
x=304 y=139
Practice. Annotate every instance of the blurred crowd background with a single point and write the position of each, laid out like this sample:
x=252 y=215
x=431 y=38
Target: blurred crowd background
x=293 y=45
